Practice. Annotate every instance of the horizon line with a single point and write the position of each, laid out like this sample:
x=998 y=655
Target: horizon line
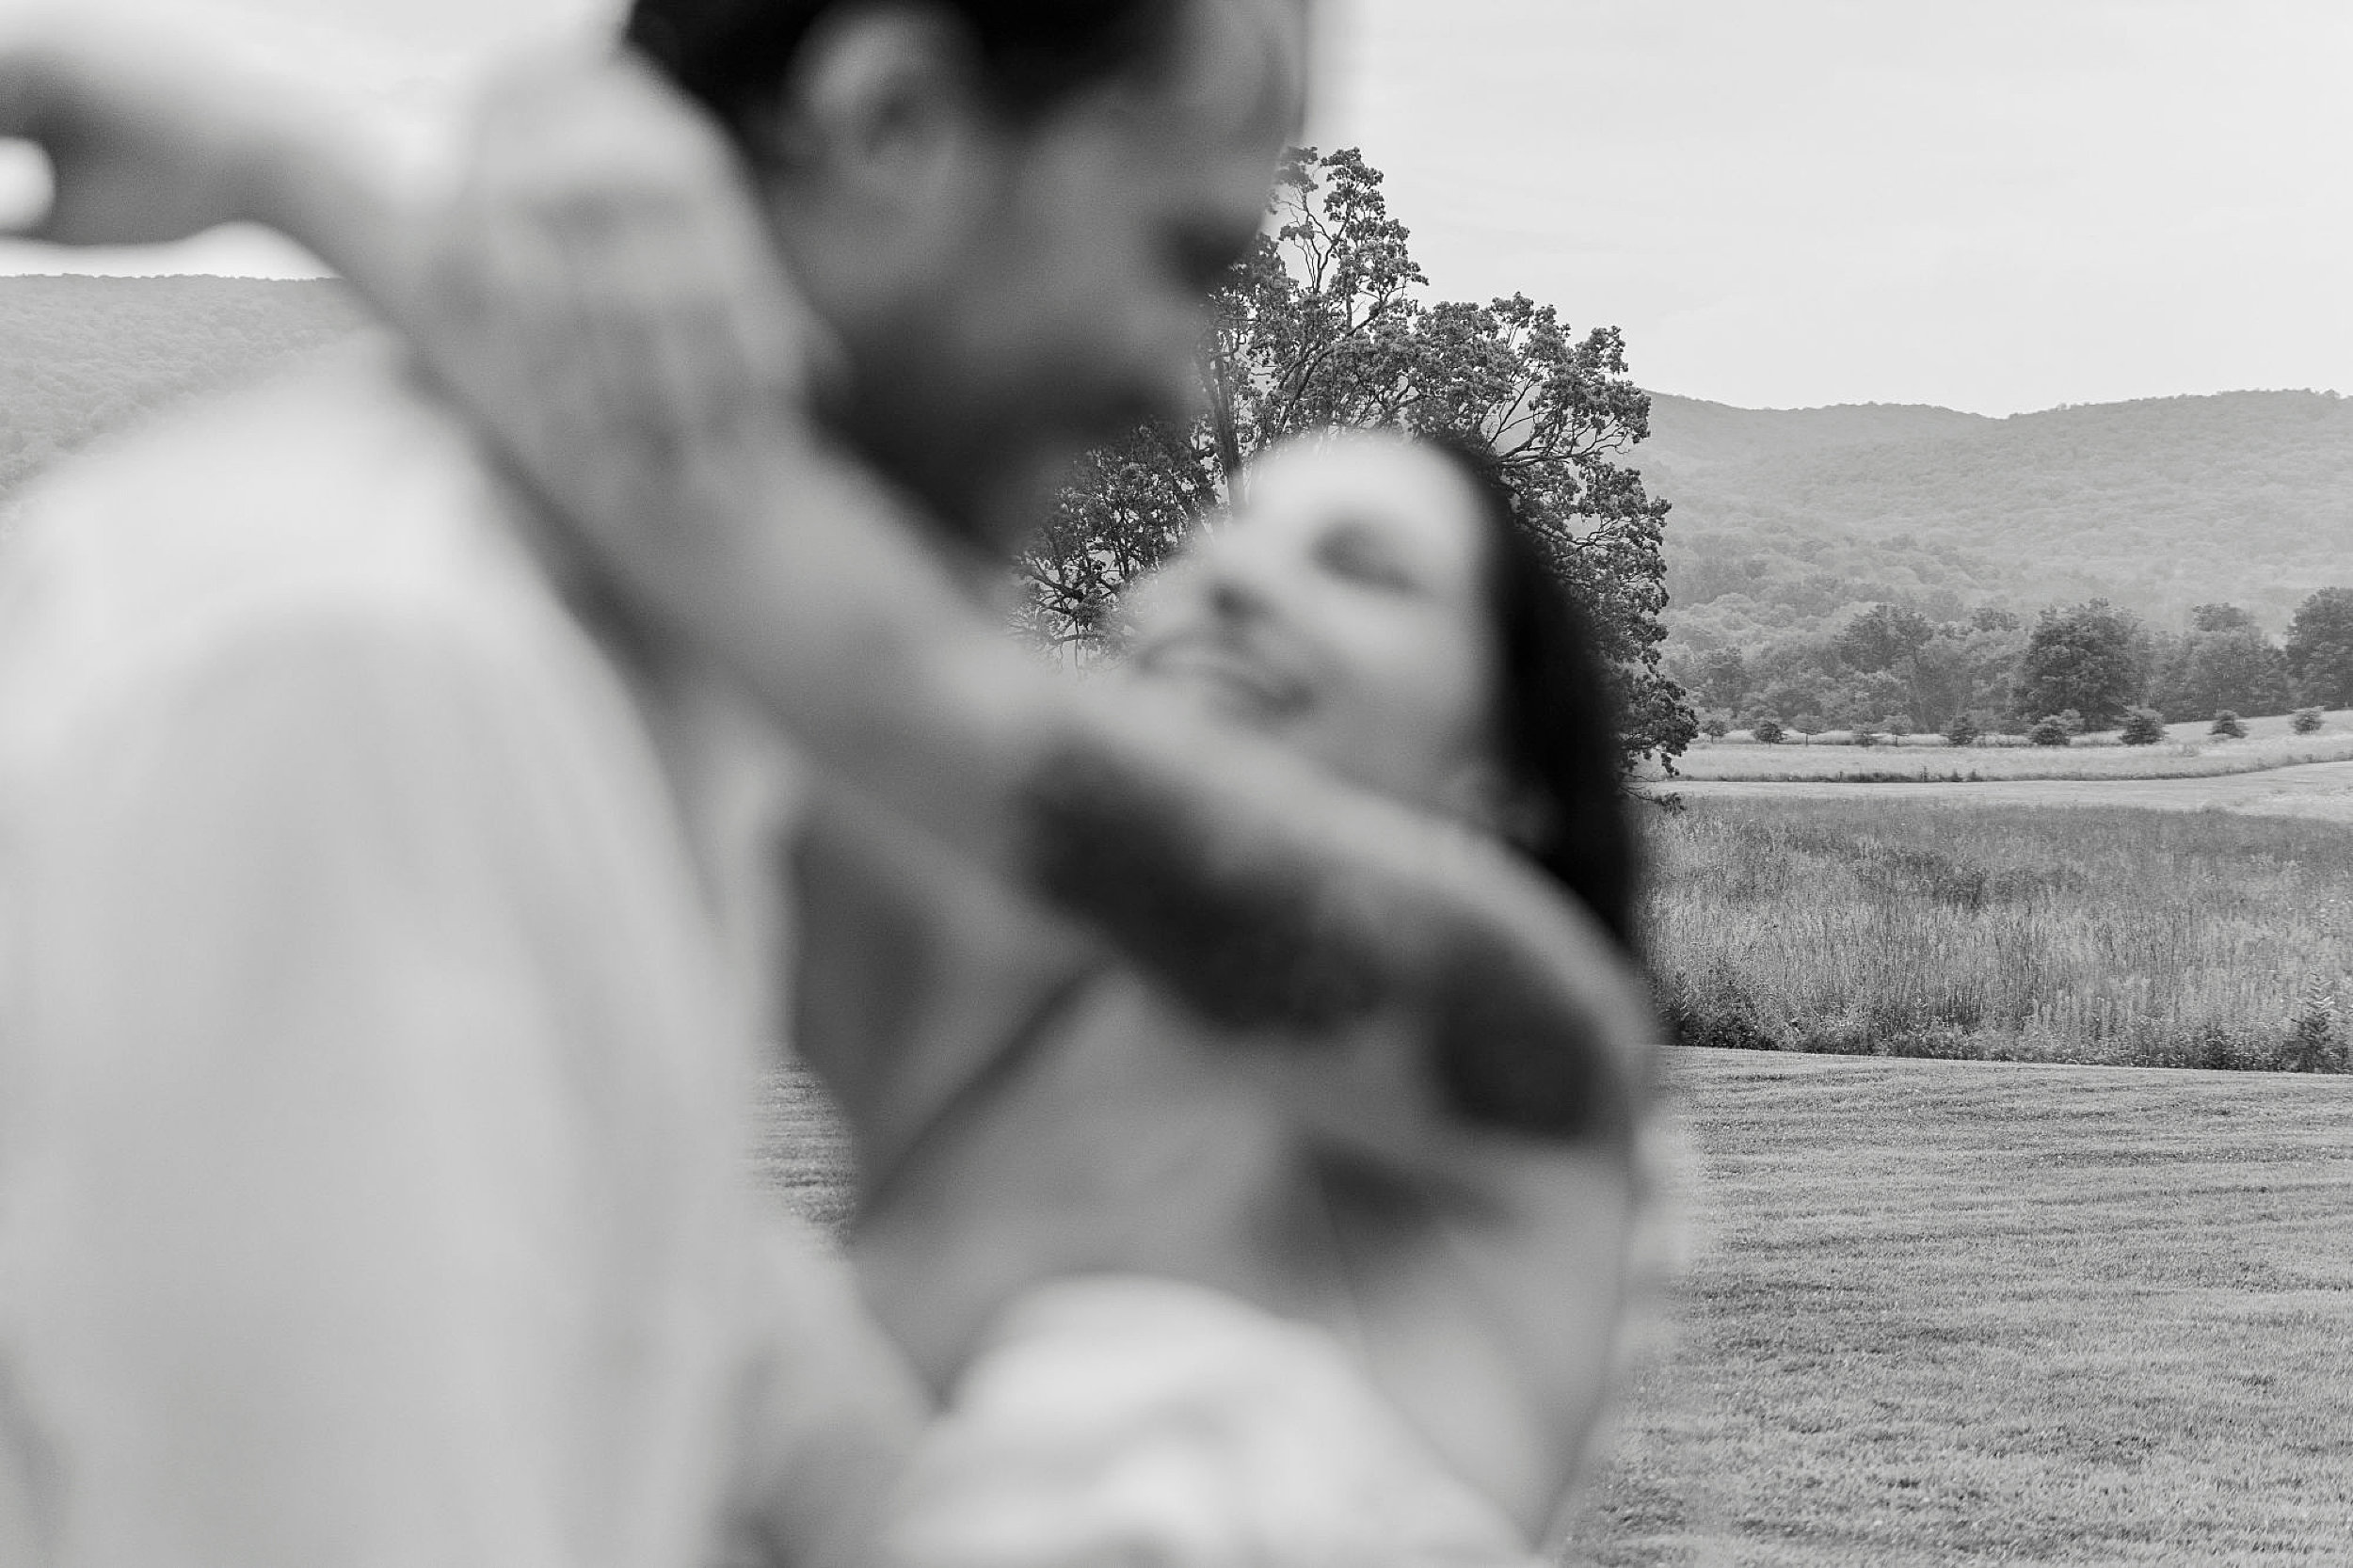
x=2329 y=393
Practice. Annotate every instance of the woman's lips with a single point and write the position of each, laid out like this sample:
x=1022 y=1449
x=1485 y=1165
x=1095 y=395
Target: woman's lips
x=1227 y=672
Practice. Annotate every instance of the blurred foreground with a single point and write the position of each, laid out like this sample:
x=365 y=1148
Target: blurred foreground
x=1965 y=1313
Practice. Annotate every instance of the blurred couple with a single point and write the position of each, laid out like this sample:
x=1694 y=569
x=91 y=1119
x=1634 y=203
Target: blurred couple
x=425 y=777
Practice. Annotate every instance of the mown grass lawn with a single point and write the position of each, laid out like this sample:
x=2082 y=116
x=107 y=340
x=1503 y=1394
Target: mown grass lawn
x=2318 y=791
x=1999 y=1313
x=1970 y=1313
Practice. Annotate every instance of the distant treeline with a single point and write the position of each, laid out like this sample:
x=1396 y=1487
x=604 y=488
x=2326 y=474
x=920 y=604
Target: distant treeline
x=1897 y=668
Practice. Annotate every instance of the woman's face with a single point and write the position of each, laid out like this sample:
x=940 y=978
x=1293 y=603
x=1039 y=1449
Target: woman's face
x=1342 y=611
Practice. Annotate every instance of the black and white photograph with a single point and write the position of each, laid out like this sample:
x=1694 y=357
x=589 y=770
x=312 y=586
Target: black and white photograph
x=1175 y=783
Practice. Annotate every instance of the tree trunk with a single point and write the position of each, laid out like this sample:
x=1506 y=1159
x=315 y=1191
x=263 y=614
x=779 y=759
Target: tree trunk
x=1222 y=417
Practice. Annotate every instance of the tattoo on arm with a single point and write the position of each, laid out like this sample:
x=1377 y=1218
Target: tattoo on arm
x=1255 y=933
x=1246 y=946
x=1510 y=1056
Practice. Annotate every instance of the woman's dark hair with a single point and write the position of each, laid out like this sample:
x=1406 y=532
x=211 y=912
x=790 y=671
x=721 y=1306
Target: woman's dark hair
x=735 y=56
x=1556 y=721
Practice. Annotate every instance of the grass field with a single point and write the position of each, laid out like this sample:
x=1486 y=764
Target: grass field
x=2186 y=752
x=1939 y=927
x=1949 y=1313
x=1959 y=1313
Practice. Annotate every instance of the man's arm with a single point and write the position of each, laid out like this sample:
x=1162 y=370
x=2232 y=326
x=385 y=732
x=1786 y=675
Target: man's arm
x=152 y=138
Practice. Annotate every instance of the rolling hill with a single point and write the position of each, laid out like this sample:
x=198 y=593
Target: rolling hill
x=1786 y=517
x=1689 y=435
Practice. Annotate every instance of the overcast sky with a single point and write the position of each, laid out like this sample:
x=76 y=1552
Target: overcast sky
x=1991 y=204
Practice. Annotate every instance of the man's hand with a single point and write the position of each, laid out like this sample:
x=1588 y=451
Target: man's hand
x=147 y=142
x=597 y=285
x=602 y=291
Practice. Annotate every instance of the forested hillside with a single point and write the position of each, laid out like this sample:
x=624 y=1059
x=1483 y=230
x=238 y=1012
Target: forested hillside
x=83 y=355
x=1688 y=433
x=1785 y=521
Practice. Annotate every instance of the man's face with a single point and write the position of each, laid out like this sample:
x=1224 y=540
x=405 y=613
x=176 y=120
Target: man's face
x=1057 y=296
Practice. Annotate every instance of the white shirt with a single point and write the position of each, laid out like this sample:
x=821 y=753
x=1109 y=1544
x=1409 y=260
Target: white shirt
x=1122 y=1418
x=371 y=1061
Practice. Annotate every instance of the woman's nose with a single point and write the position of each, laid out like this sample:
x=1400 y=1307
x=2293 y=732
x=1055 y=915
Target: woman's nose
x=1236 y=594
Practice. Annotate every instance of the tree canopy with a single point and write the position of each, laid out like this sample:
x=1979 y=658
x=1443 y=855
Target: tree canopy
x=2320 y=648
x=2084 y=658
x=1324 y=325
x=2224 y=662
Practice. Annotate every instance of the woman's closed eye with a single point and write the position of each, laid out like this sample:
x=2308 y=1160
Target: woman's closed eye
x=1360 y=556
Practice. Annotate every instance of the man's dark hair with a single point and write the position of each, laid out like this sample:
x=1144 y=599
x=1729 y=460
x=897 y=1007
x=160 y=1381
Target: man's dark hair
x=735 y=56
x=1556 y=723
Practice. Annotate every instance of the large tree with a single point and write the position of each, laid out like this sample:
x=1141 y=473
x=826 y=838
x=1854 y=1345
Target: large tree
x=2235 y=667
x=2320 y=648
x=1879 y=639
x=2088 y=658
x=1323 y=324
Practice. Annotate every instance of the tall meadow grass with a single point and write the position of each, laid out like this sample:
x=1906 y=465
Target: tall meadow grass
x=2012 y=934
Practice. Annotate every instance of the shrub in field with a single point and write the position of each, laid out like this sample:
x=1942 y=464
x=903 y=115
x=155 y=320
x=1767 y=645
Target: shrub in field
x=1695 y=1024
x=1768 y=731
x=2228 y=726
x=2186 y=752
x=1715 y=726
x=1865 y=736
x=1900 y=725
x=1809 y=724
x=2050 y=730
x=2211 y=1048
x=1962 y=731
x=2143 y=726
x=2314 y=1045
x=2306 y=721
